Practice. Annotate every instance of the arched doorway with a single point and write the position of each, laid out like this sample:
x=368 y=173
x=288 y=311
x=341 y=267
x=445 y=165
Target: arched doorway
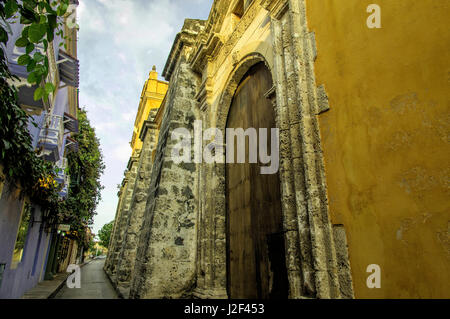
x=255 y=240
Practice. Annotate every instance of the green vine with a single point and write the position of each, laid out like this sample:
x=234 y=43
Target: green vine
x=41 y=23
x=20 y=163
x=85 y=168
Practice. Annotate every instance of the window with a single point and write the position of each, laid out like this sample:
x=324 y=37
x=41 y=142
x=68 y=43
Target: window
x=239 y=9
x=21 y=235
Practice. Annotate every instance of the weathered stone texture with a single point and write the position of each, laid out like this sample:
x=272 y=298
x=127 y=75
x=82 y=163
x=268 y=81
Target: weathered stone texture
x=112 y=242
x=122 y=219
x=127 y=255
x=181 y=250
x=344 y=271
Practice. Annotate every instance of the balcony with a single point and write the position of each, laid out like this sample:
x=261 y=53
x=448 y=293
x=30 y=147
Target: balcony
x=71 y=123
x=62 y=166
x=71 y=145
x=69 y=69
x=25 y=90
x=65 y=190
x=62 y=178
x=51 y=137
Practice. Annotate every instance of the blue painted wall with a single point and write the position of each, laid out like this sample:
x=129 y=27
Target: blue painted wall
x=30 y=270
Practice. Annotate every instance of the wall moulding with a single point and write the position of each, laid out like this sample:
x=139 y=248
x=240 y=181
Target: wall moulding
x=206 y=49
x=276 y=7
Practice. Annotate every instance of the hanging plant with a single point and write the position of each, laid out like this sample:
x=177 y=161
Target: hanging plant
x=85 y=166
x=21 y=165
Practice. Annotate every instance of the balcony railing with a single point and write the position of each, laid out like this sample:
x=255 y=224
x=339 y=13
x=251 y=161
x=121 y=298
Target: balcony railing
x=62 y=177
x=65 y=190
x=62 y=166
x=51 y=137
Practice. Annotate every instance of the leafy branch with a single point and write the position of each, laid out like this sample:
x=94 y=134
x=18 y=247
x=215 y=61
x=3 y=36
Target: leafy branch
x=42 y=22
x=21 y=165
x=85 y=168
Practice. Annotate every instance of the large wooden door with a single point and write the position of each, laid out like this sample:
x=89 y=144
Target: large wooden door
x=255 y=241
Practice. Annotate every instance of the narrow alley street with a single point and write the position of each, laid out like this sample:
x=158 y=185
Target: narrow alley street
x=224 y=158
x=94 y=284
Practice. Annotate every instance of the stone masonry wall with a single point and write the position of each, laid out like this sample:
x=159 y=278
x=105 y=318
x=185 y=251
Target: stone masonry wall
x=122 y=218
x=126 y=260
x=112 y=242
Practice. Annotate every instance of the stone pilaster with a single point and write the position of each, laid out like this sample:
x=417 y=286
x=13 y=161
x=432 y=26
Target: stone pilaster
x=112 y=242
x=127 y=255
x=312 y=262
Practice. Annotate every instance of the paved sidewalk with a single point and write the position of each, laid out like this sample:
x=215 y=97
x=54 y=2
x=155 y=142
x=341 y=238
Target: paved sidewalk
x=47 y=289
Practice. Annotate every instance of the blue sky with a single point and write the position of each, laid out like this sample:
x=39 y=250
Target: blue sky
x=119 y=42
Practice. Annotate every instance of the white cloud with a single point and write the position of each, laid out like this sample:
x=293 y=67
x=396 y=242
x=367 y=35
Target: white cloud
x=105 y=127
x=122 y=57
x=129 y=116
x=122 y=152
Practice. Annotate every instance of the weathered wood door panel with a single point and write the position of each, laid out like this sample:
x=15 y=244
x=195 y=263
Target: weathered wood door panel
x=255 y=243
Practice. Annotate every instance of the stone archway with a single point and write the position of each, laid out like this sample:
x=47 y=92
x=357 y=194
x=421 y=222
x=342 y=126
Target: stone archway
x=212 y=251
x=234 y=79
x=311 y=262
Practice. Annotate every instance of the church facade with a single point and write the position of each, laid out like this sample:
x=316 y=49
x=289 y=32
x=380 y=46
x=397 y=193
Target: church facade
x=361 y=109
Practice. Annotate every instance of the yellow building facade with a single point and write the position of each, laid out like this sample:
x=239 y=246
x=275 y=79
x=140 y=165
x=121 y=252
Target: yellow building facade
x=386 y=139
x=151 y=98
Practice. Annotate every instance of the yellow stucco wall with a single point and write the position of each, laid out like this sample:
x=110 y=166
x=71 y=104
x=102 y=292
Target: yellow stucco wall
x=386 y=139
x=152 y=95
